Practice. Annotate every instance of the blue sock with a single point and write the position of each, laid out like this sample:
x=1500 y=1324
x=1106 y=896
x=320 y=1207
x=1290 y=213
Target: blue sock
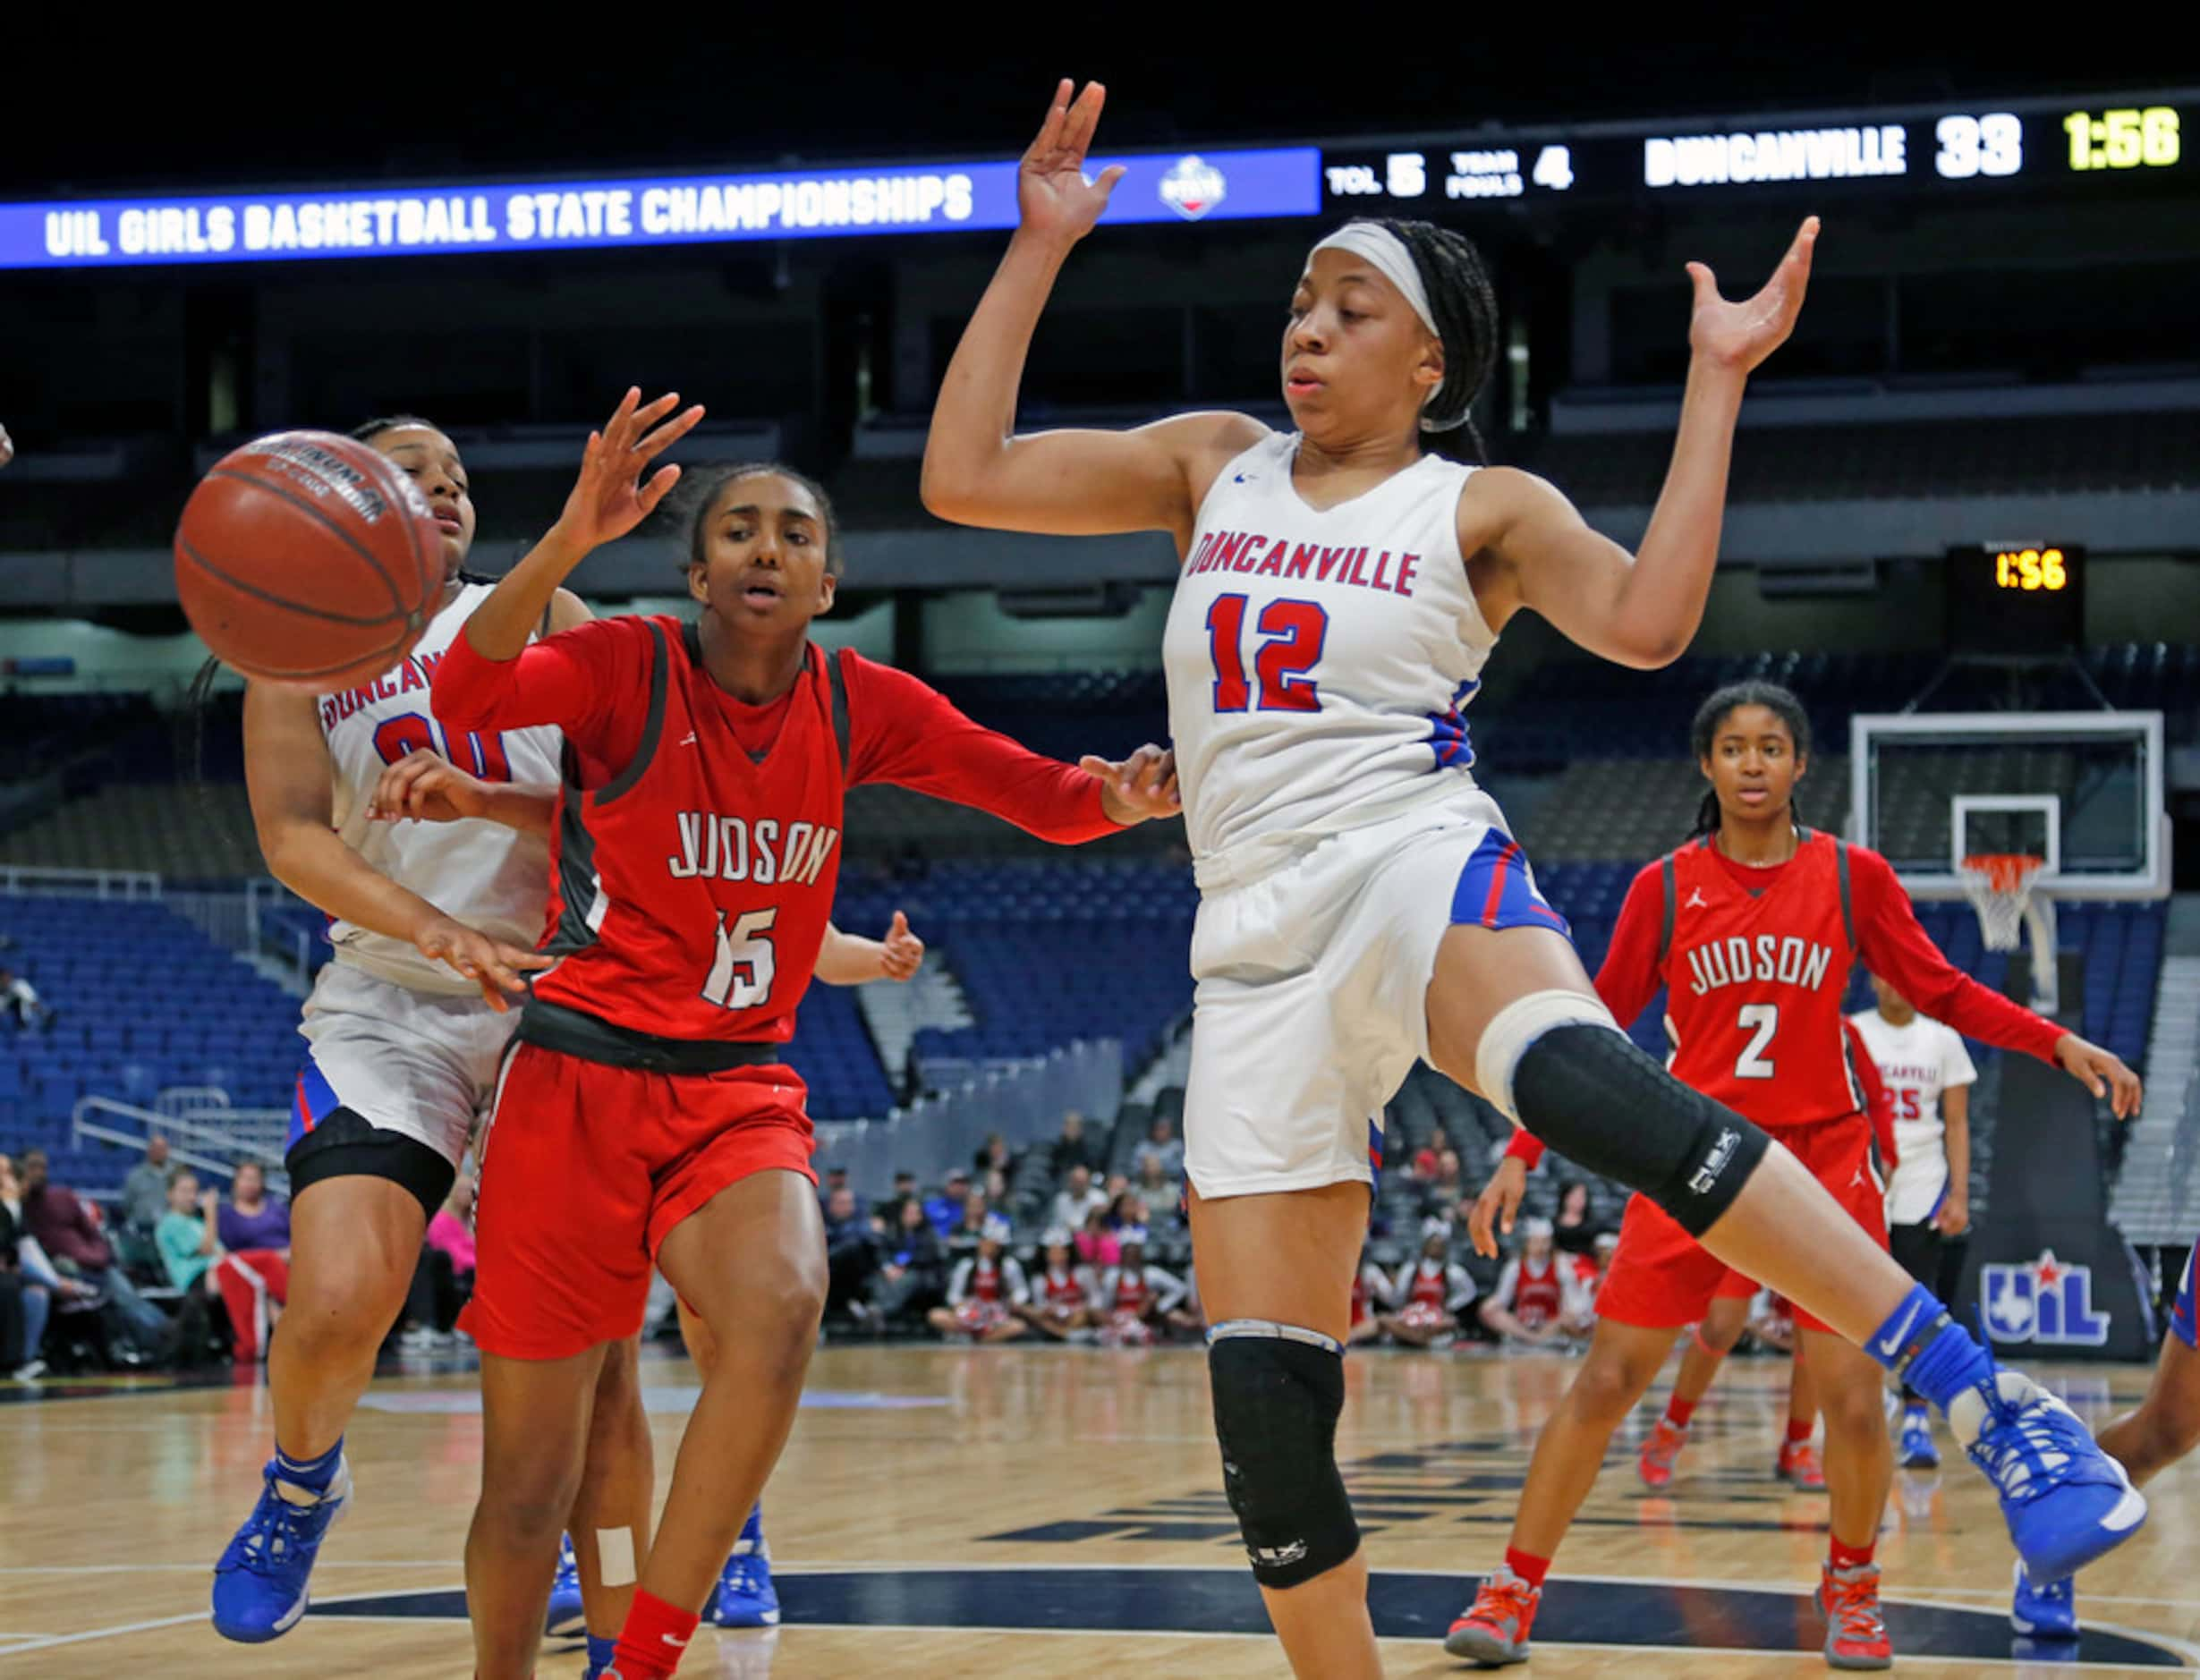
x=600 y=1652
x=313 y=1474
x=1924 y=1346
x=752 y=1531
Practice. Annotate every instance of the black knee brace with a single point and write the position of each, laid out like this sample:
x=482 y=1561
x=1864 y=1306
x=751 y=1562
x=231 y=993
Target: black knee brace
x=1594 y=1097
x=1276 y=1401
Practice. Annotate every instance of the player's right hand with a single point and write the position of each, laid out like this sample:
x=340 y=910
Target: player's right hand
x=610 y=498
x=427 y=787
x=1498 y=1206
x=1053 y=196
x=496 y=967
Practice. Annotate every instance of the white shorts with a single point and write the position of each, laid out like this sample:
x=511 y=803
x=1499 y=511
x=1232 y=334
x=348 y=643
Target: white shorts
x=1312 y=965
x=422 y=1064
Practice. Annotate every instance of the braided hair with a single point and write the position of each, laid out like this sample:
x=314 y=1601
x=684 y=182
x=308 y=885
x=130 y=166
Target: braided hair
x=698 y=492
x=1464 y=305
x=1717 y=707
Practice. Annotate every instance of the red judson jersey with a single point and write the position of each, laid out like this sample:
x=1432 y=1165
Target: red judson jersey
x=1755 y=964
x=698 y=838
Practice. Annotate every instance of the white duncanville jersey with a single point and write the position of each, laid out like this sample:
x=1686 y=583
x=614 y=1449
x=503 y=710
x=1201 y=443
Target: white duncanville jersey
x=1320 y=660
x=480 y=873
x=1918 y=1063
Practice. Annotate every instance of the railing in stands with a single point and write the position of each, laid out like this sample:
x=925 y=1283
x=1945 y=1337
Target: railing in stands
x=37 y=883
x=238 y=1134
x=238 y=921
x=1024 y=1102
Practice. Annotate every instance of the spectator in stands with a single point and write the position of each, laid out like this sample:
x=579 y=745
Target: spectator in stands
x=145 y=1193
x=1370 y=1298
x=904 y=1187
x=995 y=1155
x=1432 y=1291
x=68 y=1232
x=1098 y=1246
x=834 y=1177
x=986 y=1291
x=1159 y=1144
x=911 y=1275
x=29 y=1285
x=1061 y=1304
x=1162 y=1195
x=1073 y=1149
x=19 y=999
x=1446 y=1191
x=442 y=1280
x=851 y=1254
x=945 y=1207
x=1136 y=1300
x=1075 y=1200
x=969 y=1226
x=995 y=1185
x=1536 y=1296
x=252 y=1221
x=1574 y=1229
x=1425 y=1157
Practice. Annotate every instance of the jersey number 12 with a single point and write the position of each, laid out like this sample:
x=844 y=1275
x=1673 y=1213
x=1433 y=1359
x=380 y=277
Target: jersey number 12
x=1292 y=633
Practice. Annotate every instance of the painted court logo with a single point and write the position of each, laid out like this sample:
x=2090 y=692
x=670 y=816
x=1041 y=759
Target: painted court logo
x=1193 y=186
x=2042 y=1301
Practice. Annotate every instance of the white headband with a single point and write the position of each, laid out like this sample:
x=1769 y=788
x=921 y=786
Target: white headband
x=1387 y=253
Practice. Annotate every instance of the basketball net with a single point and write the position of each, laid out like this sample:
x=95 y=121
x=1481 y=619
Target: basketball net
x=1999 y=885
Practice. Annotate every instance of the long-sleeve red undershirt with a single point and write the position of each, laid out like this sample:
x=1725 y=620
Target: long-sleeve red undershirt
x=1890 y=942
x=592 y=683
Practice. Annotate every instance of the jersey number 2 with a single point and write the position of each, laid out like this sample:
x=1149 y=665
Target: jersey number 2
x=1752 y=1063
x=1292 y=632
x=744 y=965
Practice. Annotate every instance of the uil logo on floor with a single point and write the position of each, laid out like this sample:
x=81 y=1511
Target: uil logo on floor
x=2042 y=1301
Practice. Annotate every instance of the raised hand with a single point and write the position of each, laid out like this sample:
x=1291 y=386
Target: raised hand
x=496 y=967
x=427 y=787
x=1740 y=336
x=610 y=497
x=1053 y=195
x=903 y=954
x=1137 y=788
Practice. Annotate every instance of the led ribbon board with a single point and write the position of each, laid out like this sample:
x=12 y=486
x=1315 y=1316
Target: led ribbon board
x=672 y=210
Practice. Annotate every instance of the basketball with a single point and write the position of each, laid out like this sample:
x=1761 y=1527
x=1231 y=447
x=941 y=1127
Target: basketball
x=309 y=559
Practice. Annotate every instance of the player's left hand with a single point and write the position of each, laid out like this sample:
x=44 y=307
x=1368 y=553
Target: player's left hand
x=427 y=787
x=1740 y=336
x=902 y=952
x=1138 y=788
x=2101 y=1072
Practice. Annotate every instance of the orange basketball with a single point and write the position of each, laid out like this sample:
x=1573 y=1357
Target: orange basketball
x=309 y=559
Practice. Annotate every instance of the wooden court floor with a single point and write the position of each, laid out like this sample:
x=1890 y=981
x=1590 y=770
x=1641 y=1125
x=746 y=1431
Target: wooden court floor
x=1016 y=1511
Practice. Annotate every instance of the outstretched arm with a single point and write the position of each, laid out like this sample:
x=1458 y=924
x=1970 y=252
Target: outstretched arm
x=1531 y=547
x=1071 y=483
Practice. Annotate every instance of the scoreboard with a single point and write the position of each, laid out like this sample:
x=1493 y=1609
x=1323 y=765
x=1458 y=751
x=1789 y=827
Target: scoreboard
x=2015 y=150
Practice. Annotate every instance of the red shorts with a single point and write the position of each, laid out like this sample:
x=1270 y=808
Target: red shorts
x=591 y=1165
x=1662 y=1277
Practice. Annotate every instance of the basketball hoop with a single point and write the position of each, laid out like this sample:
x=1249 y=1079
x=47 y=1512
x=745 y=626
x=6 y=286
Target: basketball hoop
x=1999 y=885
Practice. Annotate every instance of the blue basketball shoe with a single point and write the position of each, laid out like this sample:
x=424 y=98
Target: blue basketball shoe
x=1918 y=1452
x=2065 y=1500
x=2045 y=1610
x=566 y=1620
x=745 y=1597
x=260 y=1585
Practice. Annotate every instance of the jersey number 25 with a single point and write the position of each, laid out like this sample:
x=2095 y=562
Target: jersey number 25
x=1292 y=633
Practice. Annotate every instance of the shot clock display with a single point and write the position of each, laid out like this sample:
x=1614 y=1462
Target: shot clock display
x=2018 y=598
x=2132 y=138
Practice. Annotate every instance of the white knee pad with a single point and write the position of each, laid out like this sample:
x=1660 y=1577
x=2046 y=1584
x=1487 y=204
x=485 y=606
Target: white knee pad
x=1514 y=1030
